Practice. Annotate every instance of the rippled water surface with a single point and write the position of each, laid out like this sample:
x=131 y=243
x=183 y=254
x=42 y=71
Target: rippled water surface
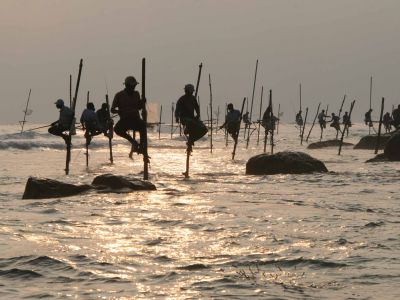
x=219 y=234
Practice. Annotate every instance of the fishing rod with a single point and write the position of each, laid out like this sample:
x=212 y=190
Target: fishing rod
x=25 y=111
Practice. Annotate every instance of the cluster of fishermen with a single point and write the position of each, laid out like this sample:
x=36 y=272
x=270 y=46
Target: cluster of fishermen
x=389 y=120
x=234 y=117
x=127 y=104
x=323 y=118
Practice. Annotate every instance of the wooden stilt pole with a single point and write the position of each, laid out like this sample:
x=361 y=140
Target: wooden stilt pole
x=159 y=124
x=70 y=90
x=277 y=123
x=304 y=126
x=378 y=140
x=345 y=127
x=251 y=107
x=110 y=129
x=259 y=118
x=236 y=137
x=189 y=146
x=272 y=122
x=172 y=119
x=211 y=115
x=370 y=101
x=146 y=160
x=226 y=131
x=73 y=106
x=315 y=118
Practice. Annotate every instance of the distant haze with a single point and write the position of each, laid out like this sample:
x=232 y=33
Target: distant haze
x=330 y=47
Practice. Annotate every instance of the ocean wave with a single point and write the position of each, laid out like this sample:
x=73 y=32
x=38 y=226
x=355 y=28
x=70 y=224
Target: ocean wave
x=19 y=274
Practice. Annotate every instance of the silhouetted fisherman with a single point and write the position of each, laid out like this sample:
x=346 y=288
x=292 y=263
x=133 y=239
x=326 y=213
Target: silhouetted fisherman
x=346 y=122
x=186 y=106
x=64 y=121
x=335 y=123
x=299 y=119
x=232 y=121
x=90 y=123
x=268 y=120
x=322 y=119
x=368 y=118
x=246 y=119
x=387 y=122
x=103 y=117
x=127 y=104
x=396 y=117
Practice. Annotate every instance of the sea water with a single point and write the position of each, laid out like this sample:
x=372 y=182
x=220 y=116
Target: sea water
x=219 y=234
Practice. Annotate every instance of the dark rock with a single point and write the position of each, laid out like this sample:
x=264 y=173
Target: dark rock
x=284 y=163
x=379 y=158
x=44 y=188
x=392 y=148
x=329 y=143
x=114 y=183
x=369 y=142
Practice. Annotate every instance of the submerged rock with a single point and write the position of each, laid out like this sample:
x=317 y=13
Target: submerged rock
x=44 y=188
x=369 y=142
x=284 y=163
x=116 y=183
x=328 y=143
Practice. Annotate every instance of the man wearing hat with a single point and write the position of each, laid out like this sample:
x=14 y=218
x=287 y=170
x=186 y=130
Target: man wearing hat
x=186 y=106
x=64 y=121
x=127 y=104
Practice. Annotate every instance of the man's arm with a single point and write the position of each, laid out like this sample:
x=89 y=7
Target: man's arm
x=178 y=110
x=115 y=104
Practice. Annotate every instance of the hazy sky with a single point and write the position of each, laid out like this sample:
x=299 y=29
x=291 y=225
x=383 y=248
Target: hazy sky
x=332 y=47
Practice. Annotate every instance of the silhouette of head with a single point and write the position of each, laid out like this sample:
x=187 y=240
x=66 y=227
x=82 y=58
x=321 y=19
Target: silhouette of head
x=189 y=89
x=59 y=103
x=104 y=106
x=90 y=106
x=230 y=106
x=130 y=82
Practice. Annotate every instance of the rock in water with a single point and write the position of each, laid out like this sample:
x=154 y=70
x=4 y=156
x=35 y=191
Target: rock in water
x=114 y=183
x=284 y=163
x=392 y=148
x=329 y=143
x=379 y=158
x=44 y=188
x=369 y=142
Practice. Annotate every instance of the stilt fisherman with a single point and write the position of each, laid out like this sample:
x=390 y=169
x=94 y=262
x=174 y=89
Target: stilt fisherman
x=127 y=104
x=64 y=122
